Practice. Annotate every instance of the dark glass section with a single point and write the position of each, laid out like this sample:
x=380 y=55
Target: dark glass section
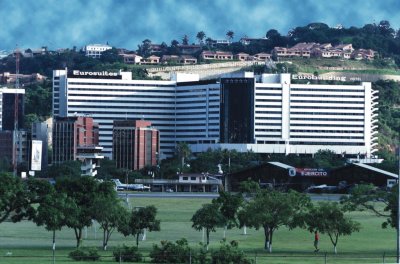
x=9 y=111
x=237 y=110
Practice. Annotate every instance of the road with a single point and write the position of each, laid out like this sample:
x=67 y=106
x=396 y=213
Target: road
x=314 y=197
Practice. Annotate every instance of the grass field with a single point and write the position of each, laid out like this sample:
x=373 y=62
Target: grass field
x=24 y=241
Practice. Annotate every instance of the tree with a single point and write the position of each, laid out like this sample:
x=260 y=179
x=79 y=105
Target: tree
x=228 y=206
x=14 y=203
x=83 y=191
x=183 y=152
x=200 y=36
x=110 y=56
x=328 y=218
x=185 y=40
x=271 y=209
x=109 y=213
x=272 y=33
x=208 y=217
x=54 y=211
x=366 y=197
x=327 y=159
x=145 y=48
x=230 y=35
x=140 y=220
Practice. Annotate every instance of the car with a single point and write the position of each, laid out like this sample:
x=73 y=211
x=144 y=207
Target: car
x=169 y=190
x=323 y=188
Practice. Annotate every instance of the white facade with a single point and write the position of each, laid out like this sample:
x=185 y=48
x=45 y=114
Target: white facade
x=304 y=118
x=288 y=118
x=178 y=110
x=95 y=50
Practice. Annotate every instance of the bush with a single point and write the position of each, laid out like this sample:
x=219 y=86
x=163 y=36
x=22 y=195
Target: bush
x=170 y=252
x=77 y=255
x=127 y=254
x=229 y=253
x=84 y=255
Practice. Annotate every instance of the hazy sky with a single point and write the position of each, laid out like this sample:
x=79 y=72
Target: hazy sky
x=126 y=23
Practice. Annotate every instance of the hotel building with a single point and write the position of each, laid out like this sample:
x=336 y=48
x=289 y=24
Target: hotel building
x=265 y=114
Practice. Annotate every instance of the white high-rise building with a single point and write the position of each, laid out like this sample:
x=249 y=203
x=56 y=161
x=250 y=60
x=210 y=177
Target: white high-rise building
x=178 y=109
x=266 y=114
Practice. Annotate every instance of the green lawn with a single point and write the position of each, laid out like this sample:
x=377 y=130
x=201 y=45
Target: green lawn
x=25 y=241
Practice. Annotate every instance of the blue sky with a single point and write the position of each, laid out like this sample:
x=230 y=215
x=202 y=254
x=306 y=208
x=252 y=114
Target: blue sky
x=126 y=23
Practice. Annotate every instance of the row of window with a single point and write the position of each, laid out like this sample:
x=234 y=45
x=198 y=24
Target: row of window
x=327 y=102
x=326 y=95
x=123 y=84
x=327 y=119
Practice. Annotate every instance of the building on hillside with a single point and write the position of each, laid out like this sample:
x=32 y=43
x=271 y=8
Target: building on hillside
x=187 y=59
x=95 y=50
x=77 y=138
x=153 y=59
x=136 y=144
x=363 y=54
x=24 y=79
x=280 y=116
x=8 y=111
x=220 y=42
x=132 y=58
x=306 y=50
x=189 y=49
x=170 y=59
x=262 y=56
x=241 y=56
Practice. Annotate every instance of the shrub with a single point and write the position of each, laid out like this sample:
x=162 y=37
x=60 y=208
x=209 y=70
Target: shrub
x=77 y=255
x=229 y=253
x=127 y=254
x=84 y=255
x=170 y=252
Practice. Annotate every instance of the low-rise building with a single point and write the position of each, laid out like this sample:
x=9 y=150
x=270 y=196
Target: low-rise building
x=95 y=50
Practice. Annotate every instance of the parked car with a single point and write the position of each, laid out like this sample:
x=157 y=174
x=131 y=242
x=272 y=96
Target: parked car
x=323 y=188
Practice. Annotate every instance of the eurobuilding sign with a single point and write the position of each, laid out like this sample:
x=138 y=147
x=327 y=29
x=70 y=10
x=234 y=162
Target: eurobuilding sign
x=36 y=155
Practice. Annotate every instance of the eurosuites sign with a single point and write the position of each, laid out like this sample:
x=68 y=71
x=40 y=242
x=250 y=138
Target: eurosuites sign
x=90 y=74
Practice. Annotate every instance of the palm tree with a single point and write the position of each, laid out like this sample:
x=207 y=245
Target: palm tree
x=185 y=40
x=229 y=35
x=200 y=36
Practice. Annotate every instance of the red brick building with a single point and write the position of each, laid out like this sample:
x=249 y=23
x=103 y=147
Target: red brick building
x=77 y=138
x=135 y=144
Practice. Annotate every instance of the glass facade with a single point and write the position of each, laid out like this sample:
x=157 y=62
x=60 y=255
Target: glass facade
x=237 y=110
